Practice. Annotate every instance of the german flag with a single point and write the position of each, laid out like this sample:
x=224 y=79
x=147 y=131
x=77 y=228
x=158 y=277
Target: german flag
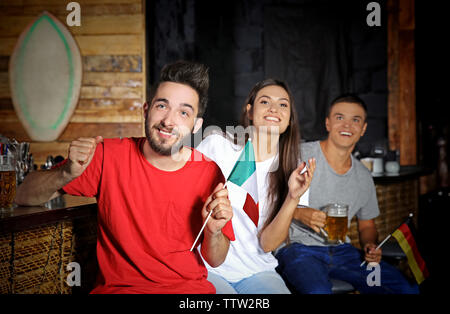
x=405 y=237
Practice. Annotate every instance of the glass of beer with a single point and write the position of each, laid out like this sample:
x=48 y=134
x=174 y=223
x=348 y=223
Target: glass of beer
x=336 y=224
x=7 y=182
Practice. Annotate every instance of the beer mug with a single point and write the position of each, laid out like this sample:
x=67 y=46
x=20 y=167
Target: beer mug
x=336 y=224
x=7 y=182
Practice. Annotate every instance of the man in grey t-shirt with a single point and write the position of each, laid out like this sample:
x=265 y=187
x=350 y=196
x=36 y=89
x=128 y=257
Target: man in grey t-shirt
x=329 y=187
x=308 y=262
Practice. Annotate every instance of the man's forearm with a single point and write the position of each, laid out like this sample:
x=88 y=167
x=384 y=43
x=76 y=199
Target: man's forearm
x=368 y=235
x=215 y=248
x=41 y=186
x=299 y=214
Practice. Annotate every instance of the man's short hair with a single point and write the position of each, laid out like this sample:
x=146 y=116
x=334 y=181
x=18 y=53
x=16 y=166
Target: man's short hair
x=350 y=98
x=193 y=74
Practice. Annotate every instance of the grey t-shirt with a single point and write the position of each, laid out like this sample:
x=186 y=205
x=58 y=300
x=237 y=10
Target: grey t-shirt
x=354 y=188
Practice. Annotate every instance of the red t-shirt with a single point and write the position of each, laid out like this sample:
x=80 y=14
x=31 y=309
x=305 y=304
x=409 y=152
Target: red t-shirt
x=148 y=219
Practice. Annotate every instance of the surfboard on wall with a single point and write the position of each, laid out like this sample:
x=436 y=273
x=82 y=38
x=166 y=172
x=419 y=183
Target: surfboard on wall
x=45 y=72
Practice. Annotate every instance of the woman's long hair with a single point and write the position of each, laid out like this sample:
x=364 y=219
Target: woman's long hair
x=288 y=153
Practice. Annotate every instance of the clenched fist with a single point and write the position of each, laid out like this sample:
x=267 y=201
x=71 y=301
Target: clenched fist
x=220 y=206
x=81 y=152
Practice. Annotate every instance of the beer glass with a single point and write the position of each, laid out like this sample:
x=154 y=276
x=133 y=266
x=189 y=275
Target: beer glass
x=7 y=182
x=336 y=224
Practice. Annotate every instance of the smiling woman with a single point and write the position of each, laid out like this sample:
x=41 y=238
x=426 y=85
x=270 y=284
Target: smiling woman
x=270 y=114
x=271 y=108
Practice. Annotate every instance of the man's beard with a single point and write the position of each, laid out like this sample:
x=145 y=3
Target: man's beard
x=158 y=146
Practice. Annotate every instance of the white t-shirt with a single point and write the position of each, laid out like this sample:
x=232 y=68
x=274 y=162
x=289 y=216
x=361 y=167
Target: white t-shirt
x=245 y=256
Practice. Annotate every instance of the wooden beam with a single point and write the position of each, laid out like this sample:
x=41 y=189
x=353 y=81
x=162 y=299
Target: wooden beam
x=124 y=79
x=4 y=63
x=6 y=104
x=5 y=91
x=110 y=44
x=106 y=116
x=113 y=63
x=110 y=92
x=107 y=130
x=7 y=45
x=92 y=44
x=76 y=130
x=407 y=101
x=81 y=2
x=119 y=113
x=392 y=70
x=406 y=11
x=100 y=63
x=11 y=26
x=109 y=104
x=98 y=9
x=402 y=128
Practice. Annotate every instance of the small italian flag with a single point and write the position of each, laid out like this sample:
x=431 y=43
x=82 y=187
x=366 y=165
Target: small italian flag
x=244 y=175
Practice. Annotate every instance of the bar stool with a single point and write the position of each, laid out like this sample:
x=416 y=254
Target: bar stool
x=341 y=287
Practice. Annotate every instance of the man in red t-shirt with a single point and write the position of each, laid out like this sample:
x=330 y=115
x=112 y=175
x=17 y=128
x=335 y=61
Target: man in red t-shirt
x=153 y=194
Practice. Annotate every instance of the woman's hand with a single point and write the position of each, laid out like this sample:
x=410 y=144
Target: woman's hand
x=300 y=179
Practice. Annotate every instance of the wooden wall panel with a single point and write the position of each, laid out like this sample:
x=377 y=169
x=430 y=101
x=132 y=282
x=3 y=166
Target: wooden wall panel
x=12 y=26
x=112 y=43
x=92 y=45
x=58 y=2
x=4 y=85
x=7 y=45
x=113 y=79
x=108 y=63
x=97 y=9
x=4 y=61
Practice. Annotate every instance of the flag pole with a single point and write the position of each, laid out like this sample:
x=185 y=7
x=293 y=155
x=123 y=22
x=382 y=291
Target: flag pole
x=387 y=238
x=209 y=215
x=204 y=224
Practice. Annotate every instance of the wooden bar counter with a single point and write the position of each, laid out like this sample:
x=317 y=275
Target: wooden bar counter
x=37 y=243
x=398 y=195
